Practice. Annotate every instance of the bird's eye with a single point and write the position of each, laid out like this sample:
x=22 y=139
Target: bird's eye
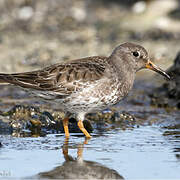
x=136 y=54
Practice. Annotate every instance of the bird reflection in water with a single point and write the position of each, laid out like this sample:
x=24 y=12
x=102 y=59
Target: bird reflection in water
x=77 y=168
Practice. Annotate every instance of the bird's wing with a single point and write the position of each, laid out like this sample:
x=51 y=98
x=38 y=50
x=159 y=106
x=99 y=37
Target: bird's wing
x=62 y=78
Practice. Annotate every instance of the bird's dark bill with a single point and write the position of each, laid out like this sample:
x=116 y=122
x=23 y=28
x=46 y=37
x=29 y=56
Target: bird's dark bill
x=155 y=68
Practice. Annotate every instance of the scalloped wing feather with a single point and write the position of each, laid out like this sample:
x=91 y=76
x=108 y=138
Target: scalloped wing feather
x=62 y=79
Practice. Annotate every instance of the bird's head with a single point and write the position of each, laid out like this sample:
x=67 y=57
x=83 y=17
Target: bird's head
x=135 y=58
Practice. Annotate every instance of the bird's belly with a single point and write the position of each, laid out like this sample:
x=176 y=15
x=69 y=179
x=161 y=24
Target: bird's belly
x=92 y=99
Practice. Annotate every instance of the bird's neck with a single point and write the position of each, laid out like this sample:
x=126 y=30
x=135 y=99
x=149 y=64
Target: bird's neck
x=122 y=67
x=125 y=74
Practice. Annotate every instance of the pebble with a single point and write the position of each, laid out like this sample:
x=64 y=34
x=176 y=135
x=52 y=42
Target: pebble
x=25 y=13
x=139 y=7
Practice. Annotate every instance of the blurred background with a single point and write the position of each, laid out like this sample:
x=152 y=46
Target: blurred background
x=34 y=34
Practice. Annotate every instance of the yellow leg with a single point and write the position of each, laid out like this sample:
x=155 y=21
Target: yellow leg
x=65 y=124
x=81 y=127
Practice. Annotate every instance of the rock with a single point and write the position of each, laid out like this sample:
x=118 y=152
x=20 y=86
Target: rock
x=5 y=127
x=32 y=121
x=25 y=13
x=110 y=118
x=168 y=95
x=139 y=7
x=29 y=120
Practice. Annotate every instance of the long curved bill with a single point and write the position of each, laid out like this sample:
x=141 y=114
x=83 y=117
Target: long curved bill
x=155 y=68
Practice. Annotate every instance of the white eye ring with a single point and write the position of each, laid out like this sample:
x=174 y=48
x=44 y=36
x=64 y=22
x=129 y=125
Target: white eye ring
x=136 y=53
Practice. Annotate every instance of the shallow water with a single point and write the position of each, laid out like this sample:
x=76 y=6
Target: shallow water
x=140 y=153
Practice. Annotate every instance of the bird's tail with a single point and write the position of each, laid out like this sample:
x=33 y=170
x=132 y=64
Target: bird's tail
x=3 y=78
x=25 y=80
